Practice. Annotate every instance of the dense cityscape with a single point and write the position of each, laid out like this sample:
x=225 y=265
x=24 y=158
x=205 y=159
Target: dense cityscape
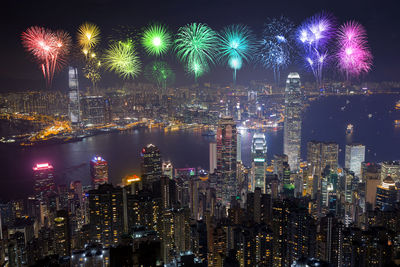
x=141 y=153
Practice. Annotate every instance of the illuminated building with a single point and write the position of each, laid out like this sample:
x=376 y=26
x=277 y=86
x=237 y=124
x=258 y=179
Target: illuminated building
x=44 y=180
x=106 y=214
x=386 y=194
x=93 y=110
x=98 y=171
x=62 y=236
x=259 y=161
x=151 y=164
x=213 y=157
x=371 y=177
x=134 y=181
x=320 y=155
x=355 y=155
x=278 y=163
x=74 y=110
x=227 y=158
x=292 y=123
x=167 y=169
x=392 y=169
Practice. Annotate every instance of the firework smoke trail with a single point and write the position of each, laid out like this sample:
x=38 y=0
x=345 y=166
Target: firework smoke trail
x=196 y=47
x=275 y=47
x=156 y=40
x=314 y=36
x=48 y=48
x=161 y=73
x=353 y=55
x=237 y=44
x=122 y=58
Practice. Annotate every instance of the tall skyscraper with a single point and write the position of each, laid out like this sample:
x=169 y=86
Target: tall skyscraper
x=392 y=169
x=74 y=110
x=292 y=123
x=320 y=155
x=167 y=169
x=151 y=164
x=227 y=157
x=259 y=161
x=98 y=171
x=355 y=155
x=62 y=234
x=44 y=180
x=213 y=157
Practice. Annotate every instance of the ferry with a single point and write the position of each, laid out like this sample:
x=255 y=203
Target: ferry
x=349 y=129
x=397 y=105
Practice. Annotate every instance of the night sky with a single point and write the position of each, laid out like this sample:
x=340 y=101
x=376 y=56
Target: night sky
x=18 y=71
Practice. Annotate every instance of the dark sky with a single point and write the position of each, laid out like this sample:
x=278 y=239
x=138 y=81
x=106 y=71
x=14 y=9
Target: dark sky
x=18 y=72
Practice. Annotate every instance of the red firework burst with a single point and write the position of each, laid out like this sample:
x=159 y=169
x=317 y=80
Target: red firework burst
x=50 y=49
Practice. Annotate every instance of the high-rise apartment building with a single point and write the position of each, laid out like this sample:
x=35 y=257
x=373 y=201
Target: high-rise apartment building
x=292 y=123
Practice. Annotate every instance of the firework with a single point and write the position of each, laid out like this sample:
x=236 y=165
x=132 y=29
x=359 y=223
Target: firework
x=122 y=58
x=196 y=47
x=160 y=73
x=88 y=36
x=353 y=55
x=236 y=45
x=156 y=40
x=314 y=36
x=275 y=47
x=50 y=49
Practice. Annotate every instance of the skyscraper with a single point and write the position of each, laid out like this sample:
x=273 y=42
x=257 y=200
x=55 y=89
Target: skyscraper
x=320 y=155
x=259 y=161
x=98 y=171
x=44 y=180
x=392 y=169
x=227 y=157
x=386 y=194
x=62 y=233
x=74 y=111
x=213 y=157
x=151 y=164
x=292 y=124
x=355 y=155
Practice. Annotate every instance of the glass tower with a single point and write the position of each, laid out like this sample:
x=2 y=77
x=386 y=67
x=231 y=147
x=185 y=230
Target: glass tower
x=259 y=161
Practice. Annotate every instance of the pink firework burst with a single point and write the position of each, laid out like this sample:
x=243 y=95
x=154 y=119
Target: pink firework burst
x=50 y=49
x=353 y=54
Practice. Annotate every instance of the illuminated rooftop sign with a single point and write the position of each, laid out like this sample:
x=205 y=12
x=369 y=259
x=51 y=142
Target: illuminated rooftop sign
x=42 y=166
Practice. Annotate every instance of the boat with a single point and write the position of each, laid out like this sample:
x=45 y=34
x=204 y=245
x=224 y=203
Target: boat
x=397 y=123
x=397 y=105
x=349 y=129
x=209 y=133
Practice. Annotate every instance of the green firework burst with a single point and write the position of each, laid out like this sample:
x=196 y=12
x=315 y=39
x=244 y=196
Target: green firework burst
x=156 y=40
x=196 y=46
x=121 y=57
x=160 y=73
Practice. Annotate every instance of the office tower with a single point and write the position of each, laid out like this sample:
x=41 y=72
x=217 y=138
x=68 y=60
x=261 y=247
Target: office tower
x=213 y=157
x=278 y=163
x=320 y=155
x=259 y=161
x=74 y=109
x=292 y=123
x=371 y=177
x=98 y=171
x=167 y=169
x=227 y=157
x=151 y=164
x=62 y=234
x=386 y=194
x=44 y=180
x=392 y=169
x=239 y=147
x=106 y=214
x=93 y=110
x=355 y=155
